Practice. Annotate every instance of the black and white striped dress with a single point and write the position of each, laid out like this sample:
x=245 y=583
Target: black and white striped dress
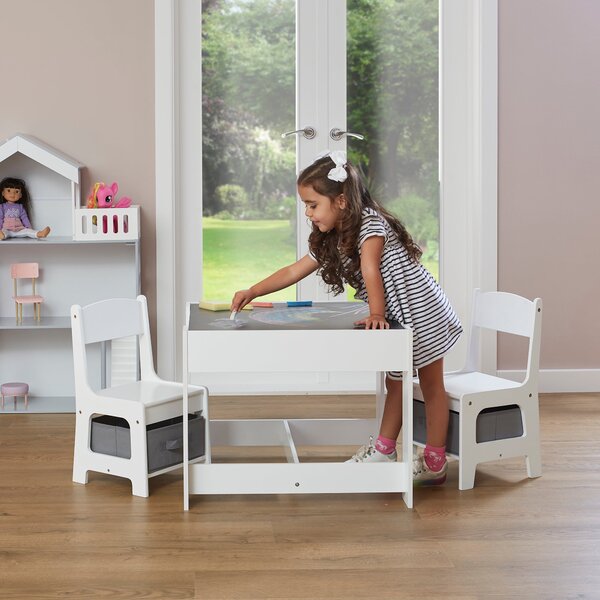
x=412 y=296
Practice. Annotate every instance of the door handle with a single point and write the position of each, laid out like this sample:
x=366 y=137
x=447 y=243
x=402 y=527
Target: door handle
x=336 y=134
x=308 y=132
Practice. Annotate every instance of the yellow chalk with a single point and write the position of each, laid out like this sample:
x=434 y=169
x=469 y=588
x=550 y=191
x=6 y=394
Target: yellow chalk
x=217 y=305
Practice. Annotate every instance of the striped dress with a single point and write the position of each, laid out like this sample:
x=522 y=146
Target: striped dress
x=412 y=296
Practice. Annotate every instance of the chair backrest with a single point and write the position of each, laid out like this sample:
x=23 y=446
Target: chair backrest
x=109 y=320
x=24 y=271
x=507 y=313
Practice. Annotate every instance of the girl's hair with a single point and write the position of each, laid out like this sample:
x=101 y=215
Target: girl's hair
x=13 y=182
x=329 y=247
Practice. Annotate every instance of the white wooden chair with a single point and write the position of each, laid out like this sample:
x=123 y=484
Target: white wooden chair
x=141 y=403
x=471 y=391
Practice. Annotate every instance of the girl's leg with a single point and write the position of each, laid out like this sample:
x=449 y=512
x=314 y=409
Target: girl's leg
x=431 y=379
x=391 y=421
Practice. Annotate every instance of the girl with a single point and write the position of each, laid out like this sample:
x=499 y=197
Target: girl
x=355 y=240
x=14 y=211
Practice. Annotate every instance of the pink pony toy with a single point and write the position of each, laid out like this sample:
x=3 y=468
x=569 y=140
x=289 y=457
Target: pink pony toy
x=104 y=196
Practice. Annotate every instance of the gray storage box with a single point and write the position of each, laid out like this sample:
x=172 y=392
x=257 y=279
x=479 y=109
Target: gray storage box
x=497 y=423
x=110 y=435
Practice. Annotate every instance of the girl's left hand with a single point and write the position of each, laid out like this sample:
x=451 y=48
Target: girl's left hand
x=373 y=322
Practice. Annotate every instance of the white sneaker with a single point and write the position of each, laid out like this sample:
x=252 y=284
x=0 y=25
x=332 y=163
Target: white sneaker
x=423 y=475
x=369 y=454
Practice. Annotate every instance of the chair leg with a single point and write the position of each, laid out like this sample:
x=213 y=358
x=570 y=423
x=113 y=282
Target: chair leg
x=531 y=425
x=139 y=486
x=466 y=474
x=26 y=400
x=467 y=462
x=139 y=459
x=82 y=433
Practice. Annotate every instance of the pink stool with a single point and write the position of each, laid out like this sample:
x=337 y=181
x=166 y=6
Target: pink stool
x=15 y=389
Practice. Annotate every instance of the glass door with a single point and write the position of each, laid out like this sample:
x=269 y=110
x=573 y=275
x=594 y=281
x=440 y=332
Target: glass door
x=350 y=75
x=249 y=170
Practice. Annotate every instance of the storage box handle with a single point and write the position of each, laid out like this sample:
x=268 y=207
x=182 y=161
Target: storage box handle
x=176 y=444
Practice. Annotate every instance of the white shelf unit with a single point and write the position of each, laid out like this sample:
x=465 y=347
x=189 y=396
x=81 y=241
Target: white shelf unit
x=72 y=271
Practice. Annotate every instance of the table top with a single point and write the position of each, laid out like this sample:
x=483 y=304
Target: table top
x=319 y=316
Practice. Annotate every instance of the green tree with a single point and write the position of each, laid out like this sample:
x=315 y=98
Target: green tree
x=393 y=93
x=248 y=88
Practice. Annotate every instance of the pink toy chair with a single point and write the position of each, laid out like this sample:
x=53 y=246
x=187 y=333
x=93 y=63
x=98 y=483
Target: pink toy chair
x=25 y=271
x=15 y=389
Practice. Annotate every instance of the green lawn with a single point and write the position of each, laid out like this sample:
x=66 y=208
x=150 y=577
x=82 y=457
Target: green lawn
x=240 y=253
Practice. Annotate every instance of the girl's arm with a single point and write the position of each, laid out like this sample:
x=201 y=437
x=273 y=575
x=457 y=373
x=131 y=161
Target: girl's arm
x=370 y=262
x=277 y=281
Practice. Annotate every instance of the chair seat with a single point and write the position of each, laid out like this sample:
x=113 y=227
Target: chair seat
x=28 y=299
x=148 y=393
x=15 y=389
x=459 y=384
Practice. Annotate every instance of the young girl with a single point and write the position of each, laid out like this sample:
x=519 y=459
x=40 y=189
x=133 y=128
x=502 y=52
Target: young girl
x=14 y=211
x=355 y=240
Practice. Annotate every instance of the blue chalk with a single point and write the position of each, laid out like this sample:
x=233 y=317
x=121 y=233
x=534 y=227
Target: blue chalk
x=300 y=303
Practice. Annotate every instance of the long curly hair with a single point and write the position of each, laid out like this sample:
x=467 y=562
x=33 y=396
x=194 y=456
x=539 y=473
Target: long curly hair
x=330 y=247
x=14 y=182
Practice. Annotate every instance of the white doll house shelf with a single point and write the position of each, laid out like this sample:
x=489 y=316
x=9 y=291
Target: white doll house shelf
x=83 y=260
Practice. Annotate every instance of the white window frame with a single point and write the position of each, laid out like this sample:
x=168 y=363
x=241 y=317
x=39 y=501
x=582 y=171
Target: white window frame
x=468 y=164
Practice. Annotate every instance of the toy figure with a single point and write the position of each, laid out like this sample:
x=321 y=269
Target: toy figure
x=14 y=211
x=104 y=196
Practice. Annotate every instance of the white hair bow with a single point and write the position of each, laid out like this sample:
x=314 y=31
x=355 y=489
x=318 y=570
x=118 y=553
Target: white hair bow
x=339 y=158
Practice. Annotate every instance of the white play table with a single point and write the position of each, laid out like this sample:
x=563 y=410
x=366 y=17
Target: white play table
x=323 y=340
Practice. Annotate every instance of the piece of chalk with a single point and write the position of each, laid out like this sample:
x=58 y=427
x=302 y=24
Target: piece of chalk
x=218 y=306
x=233 y=315
x=262 y=304
x=300 y=303
x=212 y=305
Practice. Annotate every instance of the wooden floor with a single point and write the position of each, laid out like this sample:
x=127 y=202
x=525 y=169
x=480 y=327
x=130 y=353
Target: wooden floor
x=510 y=537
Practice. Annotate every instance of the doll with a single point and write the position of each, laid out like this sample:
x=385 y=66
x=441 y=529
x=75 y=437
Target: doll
x=14 y=210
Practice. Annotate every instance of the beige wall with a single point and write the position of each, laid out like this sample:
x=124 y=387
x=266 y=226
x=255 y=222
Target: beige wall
x=549 y=172
x=79 y=75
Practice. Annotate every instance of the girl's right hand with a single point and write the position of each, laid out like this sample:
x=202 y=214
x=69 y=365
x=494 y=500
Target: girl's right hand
x=241 y=298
